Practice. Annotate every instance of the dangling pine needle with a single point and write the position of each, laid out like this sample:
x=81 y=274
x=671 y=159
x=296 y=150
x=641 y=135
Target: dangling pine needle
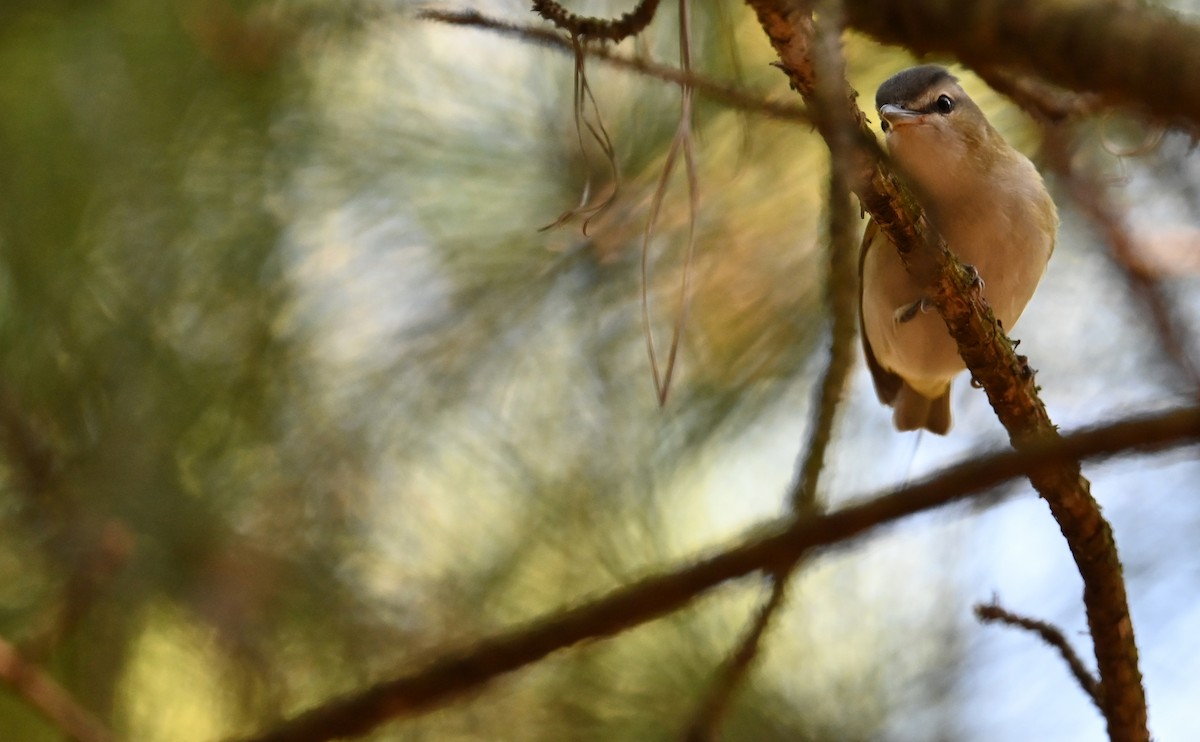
x=581 y=97
x=682 y=142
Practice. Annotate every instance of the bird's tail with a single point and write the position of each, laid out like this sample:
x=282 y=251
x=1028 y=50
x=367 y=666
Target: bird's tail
x=915 y=411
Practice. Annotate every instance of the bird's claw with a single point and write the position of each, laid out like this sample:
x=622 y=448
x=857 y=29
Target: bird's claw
x=907 y=313
x=975 y=278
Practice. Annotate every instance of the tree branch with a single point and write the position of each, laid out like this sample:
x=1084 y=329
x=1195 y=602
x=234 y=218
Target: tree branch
x=773 y=546
x=835 y=119
x=727 y=94
x=589 y=28
x=990 y=356
x=1134 y=54
x=706 y=721
x=49 y=698
x=1051 y=635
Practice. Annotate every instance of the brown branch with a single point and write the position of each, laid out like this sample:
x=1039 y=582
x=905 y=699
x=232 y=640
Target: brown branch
x=49 y=698
x=727 y=94
x=837 y=120
x=1047 y=103
x=771 y=547
x=599 y=29
x=1005 y=377
x=732 y=673
x=1133 y=54
x=837 y=123
x=1052 y=636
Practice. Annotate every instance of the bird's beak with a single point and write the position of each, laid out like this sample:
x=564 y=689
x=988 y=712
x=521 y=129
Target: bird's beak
x=898 y=115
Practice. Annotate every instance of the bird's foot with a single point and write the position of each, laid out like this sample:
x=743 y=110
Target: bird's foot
x=907 y=313
x=975 y=278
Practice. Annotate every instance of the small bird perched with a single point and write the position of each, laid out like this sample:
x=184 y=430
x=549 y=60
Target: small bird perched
x=989 y=203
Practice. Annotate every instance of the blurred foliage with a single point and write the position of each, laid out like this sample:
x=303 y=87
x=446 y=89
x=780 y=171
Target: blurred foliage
x=163 y=444
x=294 y=394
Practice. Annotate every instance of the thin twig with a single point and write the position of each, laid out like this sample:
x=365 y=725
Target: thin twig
x=837 y=126
x=49 y=698
x=707 y=719
x=728 y=94
x=1053 y=636
x=771 y=547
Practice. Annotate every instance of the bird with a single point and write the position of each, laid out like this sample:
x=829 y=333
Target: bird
x=988 y=202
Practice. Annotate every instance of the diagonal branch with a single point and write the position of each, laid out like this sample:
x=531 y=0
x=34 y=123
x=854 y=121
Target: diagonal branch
x=835 y=118
x=1008 y=381
x=724 y=93
x=706 y=721
x=1052 y=636
x=49 y=698
x=771 y=547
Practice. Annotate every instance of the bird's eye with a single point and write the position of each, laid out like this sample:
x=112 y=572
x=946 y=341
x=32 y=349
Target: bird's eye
x=944 y=104
x=884 y=125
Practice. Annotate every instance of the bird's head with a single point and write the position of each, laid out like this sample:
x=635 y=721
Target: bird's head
x=936 y=134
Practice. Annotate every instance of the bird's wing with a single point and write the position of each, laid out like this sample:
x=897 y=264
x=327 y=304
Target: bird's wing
x=887 y=384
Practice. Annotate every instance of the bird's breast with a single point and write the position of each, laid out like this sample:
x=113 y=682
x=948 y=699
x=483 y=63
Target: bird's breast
x=1003 y=225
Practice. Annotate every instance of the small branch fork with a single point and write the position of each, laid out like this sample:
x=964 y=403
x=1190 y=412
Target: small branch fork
x=1052 y=635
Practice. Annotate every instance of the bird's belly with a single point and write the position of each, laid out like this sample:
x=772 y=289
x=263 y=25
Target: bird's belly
x=919 y=350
